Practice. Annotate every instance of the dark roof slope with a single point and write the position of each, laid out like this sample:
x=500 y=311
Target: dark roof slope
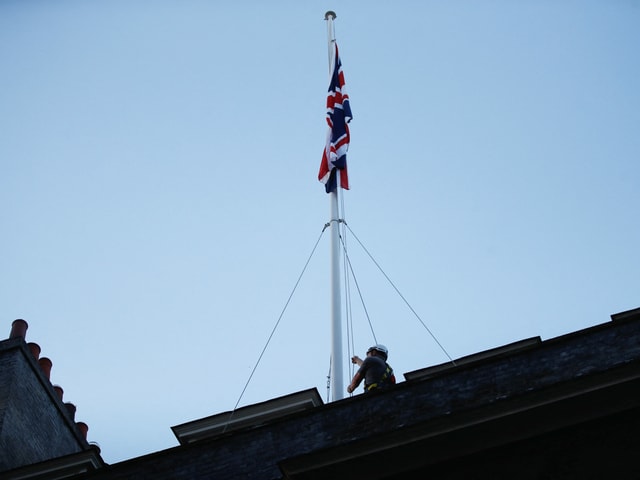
x=487 y=415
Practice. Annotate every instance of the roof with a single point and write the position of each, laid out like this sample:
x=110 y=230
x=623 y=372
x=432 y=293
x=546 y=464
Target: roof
x=547 y=405
x=252 y=416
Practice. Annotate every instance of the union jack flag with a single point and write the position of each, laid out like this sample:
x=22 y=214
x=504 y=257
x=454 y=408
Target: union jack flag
x=334 y=156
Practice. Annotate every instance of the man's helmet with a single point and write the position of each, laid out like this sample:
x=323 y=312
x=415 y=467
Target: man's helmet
x=380 y=349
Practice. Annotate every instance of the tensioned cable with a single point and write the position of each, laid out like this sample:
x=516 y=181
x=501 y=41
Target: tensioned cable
x=355 y=280
x=347 y=290
x=399 y=293
x=347 y=293
x=329 y=380
x=350 y=333
x=275 y=327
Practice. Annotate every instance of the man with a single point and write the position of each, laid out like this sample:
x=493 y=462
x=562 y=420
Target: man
x=374 y=370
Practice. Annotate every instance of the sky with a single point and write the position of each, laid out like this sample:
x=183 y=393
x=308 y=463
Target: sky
x=159 y=195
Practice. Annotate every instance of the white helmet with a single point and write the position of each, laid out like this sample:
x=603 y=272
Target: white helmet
x=380 y=348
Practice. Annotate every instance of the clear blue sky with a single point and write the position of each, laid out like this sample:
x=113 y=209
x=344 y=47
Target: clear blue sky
x=158 y=191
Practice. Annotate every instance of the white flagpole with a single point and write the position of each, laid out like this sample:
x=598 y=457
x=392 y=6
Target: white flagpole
x=337 y=382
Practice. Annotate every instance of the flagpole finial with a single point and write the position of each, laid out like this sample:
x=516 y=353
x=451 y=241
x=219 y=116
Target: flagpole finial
x=331 y=14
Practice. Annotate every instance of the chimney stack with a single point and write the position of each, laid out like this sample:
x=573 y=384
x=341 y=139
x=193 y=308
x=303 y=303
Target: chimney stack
x=19 y=328
x=71 y=408
x=35 y=349
x=45 y=366
x=84 y=429
x=59 y=391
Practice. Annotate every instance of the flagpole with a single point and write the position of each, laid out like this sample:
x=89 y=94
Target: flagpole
x=337 y=382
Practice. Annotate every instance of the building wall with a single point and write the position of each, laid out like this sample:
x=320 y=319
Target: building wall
x=565 y=408
x=551 y=407
x=34 y=424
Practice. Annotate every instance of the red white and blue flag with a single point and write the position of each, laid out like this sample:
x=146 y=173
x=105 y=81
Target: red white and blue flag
x=334 y=157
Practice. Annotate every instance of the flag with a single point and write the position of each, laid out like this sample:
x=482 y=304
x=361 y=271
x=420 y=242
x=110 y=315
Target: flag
x=334 y=156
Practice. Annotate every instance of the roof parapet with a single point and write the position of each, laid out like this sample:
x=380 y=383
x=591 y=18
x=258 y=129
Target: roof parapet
x=251 y=416
x=493 y=353
x=627 y=315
